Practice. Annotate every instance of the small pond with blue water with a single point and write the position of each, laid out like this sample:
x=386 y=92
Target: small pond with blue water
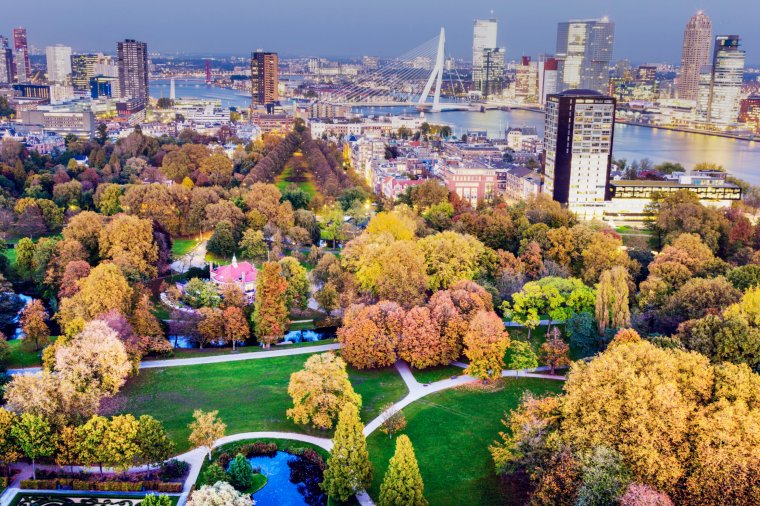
x=293 y=336
x=291 y=481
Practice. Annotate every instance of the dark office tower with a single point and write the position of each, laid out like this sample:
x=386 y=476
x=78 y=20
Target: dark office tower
x=22 y=51
x=264 y=78
x=578 y=150
x=82 y=70
x=6 y=62
x=133 y=70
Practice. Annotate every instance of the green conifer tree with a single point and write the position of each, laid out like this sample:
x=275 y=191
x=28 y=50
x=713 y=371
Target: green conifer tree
x=402 y=483
x=348 y=469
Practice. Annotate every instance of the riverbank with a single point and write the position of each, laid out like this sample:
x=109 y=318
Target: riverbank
x=725 y=135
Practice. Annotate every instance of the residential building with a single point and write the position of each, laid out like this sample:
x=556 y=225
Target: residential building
x=526 y=80
x=265 y=78
x=521 y=138
x=82 y=70
x=694 y=55
x=720 y=85
x=487 y=58
x=133 y=70
x=21 y=49
x=517 y=183
x=472 y=181
x=578 y=137
x=6 y=62
x=584 y=52
x=58 y=59
x=61 y=92
x=749 y=112
x=547 y=77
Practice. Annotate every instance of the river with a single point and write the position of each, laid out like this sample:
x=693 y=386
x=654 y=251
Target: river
x=740 y=158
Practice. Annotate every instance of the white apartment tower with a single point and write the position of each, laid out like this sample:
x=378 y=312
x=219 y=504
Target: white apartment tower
x=58 y=63
x=694 y=55
x=579 y=130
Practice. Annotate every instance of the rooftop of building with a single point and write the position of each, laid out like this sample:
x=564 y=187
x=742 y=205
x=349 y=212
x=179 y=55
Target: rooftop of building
x=580 y=93
x=683 y=183
x=235 y=272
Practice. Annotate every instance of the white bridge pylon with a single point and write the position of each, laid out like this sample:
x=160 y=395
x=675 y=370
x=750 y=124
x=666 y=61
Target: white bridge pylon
x=436 y=76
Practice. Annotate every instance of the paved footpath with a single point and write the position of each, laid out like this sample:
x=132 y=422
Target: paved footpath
x=195 y=457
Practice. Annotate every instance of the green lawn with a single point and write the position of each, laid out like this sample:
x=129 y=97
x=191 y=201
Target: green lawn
x=20 y=357
x=281 y=182
x=181 y=247
x=250 y=395
x=451 y=432
x=433 y=374
x=10 y=254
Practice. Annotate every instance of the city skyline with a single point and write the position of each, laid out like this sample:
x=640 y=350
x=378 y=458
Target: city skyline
x=372 y=29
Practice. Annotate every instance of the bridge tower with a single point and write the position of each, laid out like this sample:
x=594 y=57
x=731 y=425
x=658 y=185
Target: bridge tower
x=436 y=76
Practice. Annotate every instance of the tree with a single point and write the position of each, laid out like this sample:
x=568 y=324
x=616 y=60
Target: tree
x=128 y=242
x=120 y=444
x=67 y=447
x=153 y=441
x=90 y=441
x=554 y=352
x=402 y=483
x=218 y=494
x=612 y=306
x=320 y=391
x=394 y=420
x=34 y=437
x=95 y=361
x=604 y=478
x=421 y=341
x=199 y=293
x=270 y=310
x=485 y=343
x=156 y=500
x=348 y=469
x=240 y=473
x=297 y=294
x=521 y=356
x=24 y=254
x=36 y=331
x=370 y=334
x=450 y=257
x=222 y=242
x=103 y=290
x=327 y=297
x=252 y=245
x=643 y=495
x=143 y=321
x=206 y=428
x=235 y=326
x=9 y=449
x=211 y=328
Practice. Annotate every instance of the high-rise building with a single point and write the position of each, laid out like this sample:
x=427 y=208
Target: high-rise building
x=749 y=112
x=6 y=62
x=547 y=77
x=526 y=80
x=58 y=60
x=579 y=130
x=694 y=55
x=487 y=58
x=720 y=84
x=584 y=52
x=264 y=78
x=83 y=69
x=21 y=49
x=133 y=70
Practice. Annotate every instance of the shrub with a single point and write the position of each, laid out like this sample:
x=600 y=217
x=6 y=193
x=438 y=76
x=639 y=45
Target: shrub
x=172 y=487
x=258 y=448
x=214 y=473
x=224 y=460
x=241 y=473
x=174 y=469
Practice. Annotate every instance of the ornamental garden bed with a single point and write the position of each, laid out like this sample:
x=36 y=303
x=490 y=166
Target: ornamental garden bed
x=27 y=499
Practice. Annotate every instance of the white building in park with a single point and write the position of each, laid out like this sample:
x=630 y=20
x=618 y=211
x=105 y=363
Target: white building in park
x=241 y=274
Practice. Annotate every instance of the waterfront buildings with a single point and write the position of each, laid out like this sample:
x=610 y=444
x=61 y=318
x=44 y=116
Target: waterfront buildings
x=749 y=112
x=21 y=49
x=695 y=55
x=133 y=70
x=264 y=78
x=584 y=52
x=58 y=59
x=578 y=150
x=487 y=58
x=720 y=85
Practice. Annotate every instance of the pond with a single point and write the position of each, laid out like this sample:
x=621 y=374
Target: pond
x=291 y=481
x=11 y=305
x=293 y=336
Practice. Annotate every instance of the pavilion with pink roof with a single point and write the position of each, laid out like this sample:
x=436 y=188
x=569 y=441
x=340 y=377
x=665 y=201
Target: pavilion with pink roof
x=243 y=274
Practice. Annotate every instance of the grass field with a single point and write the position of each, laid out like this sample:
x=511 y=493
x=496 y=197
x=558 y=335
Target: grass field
x=451 y=432
x=250 y=395
x=282 y=181
x=181 y=247
x=433 y=374
x=20 y=357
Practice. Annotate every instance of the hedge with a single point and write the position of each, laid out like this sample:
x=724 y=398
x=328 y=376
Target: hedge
x=101 y=486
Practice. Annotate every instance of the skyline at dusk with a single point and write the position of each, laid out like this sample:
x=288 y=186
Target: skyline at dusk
x=337 y=28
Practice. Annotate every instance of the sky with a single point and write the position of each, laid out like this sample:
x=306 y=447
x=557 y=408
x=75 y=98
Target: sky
x=646 y=30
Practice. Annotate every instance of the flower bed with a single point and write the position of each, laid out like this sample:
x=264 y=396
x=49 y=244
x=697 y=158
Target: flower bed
x=101 y=486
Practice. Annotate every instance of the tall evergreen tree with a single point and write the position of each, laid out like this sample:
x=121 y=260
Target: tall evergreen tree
x=349 y=469
x=270 y=313
x=402 y=483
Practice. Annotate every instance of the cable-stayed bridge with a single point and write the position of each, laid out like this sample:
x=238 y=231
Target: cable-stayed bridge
x=410 y=79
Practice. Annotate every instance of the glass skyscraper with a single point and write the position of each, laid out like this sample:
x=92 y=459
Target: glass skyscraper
x=584 y=52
